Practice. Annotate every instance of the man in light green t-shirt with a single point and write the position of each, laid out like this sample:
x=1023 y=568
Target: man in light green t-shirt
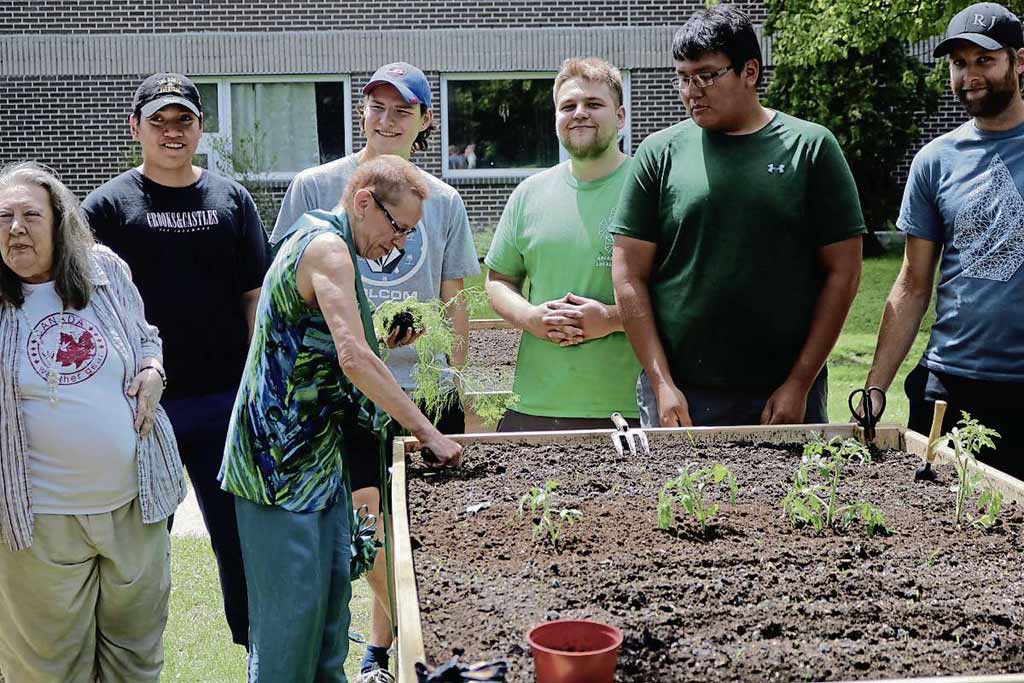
x=737 y=245
x=575 y=365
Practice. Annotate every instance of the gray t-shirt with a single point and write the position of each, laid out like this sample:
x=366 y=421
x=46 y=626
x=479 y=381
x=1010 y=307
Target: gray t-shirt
x=440 y=249
x=964 y=192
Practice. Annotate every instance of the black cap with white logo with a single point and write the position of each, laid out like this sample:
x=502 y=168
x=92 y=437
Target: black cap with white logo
x=986 y=24
x=163 y=89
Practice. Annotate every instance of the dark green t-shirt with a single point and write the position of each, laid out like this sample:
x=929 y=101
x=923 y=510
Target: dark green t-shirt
x=739 y=221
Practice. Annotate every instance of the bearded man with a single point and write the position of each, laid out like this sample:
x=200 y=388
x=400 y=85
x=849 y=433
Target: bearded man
x=963 y=212
x=554 y=231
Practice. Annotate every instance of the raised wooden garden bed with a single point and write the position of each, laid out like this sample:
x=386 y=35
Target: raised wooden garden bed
x=755 y=600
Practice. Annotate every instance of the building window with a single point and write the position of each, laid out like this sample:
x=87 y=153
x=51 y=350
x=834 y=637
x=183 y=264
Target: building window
x=501 y=124
x=274 y=127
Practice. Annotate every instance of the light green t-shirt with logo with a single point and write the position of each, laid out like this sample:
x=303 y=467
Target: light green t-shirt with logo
x=554 y=231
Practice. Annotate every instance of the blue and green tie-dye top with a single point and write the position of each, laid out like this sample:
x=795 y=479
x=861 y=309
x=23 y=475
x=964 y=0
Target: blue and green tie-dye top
x=284 y=444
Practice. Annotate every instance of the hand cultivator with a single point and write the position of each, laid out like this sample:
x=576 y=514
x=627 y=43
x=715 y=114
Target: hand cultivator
x=624 y=436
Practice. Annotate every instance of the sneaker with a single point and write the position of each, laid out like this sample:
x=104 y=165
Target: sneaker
x=375 y=675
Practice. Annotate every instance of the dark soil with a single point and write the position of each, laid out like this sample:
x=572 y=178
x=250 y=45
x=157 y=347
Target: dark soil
x=758 y=600
x=492 y=358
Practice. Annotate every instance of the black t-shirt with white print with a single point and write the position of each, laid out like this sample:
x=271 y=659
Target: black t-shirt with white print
x=193 y=251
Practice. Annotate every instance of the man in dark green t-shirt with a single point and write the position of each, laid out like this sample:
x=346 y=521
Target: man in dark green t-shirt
x=738 y=245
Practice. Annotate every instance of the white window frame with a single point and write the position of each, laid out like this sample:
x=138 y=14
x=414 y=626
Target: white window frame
x=224 y=84
x=521 y=172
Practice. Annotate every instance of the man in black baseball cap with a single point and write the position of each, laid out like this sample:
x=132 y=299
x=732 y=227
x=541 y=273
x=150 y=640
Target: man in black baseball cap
x=961 y=212
x=986 y=24
x=163 y=89
x=197 y=252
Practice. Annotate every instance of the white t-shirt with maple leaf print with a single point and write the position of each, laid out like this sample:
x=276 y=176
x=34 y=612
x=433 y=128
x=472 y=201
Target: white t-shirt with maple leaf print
x=81 y=448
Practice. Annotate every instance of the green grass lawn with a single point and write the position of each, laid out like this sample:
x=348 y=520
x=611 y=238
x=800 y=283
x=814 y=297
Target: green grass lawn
x=481 y=310
x=197 y=642
x=850 y=360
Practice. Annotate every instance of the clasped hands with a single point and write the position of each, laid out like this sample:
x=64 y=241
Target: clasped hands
x=572 y=320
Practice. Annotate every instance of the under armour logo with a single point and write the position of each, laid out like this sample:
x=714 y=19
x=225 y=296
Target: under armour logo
x=776 y=168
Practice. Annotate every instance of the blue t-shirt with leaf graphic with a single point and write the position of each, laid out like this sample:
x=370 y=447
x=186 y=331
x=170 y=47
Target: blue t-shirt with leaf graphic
x=966 y=192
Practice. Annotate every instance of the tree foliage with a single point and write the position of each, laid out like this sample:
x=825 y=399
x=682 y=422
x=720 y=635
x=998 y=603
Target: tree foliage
x=872 y=102
x=809 y=33
x=844 y=64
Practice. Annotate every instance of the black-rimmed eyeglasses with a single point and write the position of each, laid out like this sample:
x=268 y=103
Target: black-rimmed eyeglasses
x=701 y=80
x=403 y=232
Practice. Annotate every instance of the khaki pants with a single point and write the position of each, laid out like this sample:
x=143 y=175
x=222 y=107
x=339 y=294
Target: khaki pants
x=87 y=601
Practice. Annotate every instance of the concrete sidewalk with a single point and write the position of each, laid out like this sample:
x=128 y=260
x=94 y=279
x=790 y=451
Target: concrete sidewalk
x=188 y=520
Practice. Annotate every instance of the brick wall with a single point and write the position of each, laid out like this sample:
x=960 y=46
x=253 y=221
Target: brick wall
x=167 y=16
x=656 y=105
x=949 y=116
x=81 y=131
x=77 y=127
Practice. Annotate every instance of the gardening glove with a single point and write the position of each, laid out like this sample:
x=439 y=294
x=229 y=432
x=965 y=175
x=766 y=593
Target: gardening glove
x=402 y=337
x=455 y=672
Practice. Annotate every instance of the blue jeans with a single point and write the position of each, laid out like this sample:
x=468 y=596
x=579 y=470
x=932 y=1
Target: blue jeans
x=727 y=408
x=297 y=569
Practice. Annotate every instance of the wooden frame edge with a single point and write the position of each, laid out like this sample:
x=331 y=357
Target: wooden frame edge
x=490 y=324
x=990 y=678
x=1012 y=488
x=407 y=607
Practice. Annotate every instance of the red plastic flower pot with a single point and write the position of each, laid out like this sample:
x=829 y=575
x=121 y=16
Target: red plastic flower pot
x=575 y=651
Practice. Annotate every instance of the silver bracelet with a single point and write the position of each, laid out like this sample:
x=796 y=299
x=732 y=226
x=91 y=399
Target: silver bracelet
x=163 y=377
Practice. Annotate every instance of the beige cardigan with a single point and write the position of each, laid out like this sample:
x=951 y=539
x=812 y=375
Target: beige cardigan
x=121 y=315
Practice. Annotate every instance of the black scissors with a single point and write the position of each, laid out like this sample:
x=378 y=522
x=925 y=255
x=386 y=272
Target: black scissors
x=869 y=419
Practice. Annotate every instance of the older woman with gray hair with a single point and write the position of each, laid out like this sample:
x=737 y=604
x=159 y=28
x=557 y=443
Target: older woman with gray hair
x=89 y=469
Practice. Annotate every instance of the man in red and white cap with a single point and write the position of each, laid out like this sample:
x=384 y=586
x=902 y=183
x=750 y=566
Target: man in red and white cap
x=397 y=119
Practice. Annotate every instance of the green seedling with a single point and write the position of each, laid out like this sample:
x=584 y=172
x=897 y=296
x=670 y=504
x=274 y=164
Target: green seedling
x=813 y=498
x=689 y=491
x=437 y=338
x=549 y=522
x=967 y=440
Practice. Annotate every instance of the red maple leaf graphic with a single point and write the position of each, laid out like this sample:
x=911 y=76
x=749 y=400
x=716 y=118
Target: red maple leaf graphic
x=75 y=353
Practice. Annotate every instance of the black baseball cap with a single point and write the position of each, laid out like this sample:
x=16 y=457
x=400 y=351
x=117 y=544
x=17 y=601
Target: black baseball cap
x=163 y=89
x=986 y=24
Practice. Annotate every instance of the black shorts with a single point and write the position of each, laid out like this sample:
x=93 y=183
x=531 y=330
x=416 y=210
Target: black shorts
x=994 y=404
x=363 y=450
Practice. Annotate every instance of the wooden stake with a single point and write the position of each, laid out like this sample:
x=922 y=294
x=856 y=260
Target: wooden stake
x=936 y=432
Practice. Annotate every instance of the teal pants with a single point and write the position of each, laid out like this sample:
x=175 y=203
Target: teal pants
x=297 y=573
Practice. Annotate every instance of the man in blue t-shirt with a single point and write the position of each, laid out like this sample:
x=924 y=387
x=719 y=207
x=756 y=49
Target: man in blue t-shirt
x=963 y=211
